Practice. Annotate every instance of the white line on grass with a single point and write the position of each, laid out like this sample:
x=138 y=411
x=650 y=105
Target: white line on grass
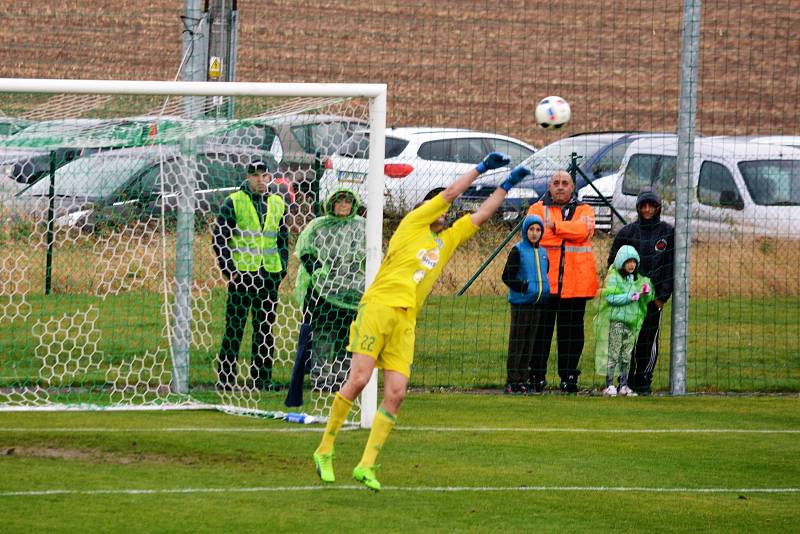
x=607 y=430
x=166 y=429
x=316 y=428
x=412 y=489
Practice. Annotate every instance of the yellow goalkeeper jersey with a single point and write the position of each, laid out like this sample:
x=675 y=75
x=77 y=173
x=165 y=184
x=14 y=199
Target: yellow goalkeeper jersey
x=416 y=256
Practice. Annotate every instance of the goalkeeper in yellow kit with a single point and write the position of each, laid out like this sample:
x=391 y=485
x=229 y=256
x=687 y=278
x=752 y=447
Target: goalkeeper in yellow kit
x=383 y=332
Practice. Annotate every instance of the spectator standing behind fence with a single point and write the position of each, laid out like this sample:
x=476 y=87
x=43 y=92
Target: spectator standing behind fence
x=568 y=231
x=655 y=242
x=525 y=274
x=250 y=241
x=622 y=307
x=330 y=282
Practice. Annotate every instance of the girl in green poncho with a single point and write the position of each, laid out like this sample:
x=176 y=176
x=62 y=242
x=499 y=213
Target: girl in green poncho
x=330 y=282
x=622 y=307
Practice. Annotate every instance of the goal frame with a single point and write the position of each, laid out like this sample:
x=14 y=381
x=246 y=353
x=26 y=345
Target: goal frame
x=376 y=94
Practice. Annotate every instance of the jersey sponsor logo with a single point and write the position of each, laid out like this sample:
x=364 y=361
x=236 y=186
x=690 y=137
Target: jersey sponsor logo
x=661 y=245
x=428 y=258
x=418 y=276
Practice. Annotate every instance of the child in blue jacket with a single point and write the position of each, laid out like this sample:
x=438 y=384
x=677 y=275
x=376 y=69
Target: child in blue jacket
x=623 y=305
x=525 y=274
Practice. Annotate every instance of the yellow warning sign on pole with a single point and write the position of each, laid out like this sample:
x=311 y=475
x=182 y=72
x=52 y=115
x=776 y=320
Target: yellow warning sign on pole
x=214 y=68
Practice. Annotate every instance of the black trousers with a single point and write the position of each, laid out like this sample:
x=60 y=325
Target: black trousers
x=241 y=300
x=645 y=354
x=567 y=316
x=521 y=337
x=330 y=326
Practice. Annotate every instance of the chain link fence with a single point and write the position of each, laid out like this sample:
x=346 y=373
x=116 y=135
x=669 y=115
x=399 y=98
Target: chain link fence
x=484 y=65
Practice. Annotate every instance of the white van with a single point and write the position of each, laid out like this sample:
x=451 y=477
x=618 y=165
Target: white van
x=785 y=140
x=602 y=213
x=739 y=188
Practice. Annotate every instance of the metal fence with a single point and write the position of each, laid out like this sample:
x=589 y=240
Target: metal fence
x=484 y=65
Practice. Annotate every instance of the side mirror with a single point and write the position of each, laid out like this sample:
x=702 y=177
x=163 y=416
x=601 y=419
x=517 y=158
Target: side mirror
x=731 y=199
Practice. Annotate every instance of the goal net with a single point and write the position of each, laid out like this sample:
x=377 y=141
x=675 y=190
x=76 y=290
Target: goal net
x=165 y=245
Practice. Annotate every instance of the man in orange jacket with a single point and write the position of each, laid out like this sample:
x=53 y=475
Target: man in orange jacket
x=569 y=227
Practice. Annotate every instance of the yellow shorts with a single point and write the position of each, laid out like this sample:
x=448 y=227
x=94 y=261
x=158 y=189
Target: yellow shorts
x=386 y=334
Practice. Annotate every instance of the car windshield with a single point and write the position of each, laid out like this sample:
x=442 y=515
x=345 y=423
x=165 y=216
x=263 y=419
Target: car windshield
x=556 y=157
x=59 y=126
x=83 y=133
x=541 y=164
x=774 y=182
x=561 y=150
x=11 y=126
x=47 y=132
x=92 y=177
x=252 y=135
x=358 y=146
x=325 y=137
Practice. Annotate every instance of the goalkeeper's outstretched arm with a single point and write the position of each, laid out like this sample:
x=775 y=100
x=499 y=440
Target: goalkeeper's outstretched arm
x=493 y=160
x=489 y=206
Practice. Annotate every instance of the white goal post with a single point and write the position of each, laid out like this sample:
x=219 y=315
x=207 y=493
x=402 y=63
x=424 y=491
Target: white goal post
x=17 y=298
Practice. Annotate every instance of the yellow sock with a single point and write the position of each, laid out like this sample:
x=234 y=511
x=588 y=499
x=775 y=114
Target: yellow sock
x=339 y=410
x=383 y=424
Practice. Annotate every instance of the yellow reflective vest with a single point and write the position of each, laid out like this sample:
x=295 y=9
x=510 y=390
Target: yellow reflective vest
x=253 y=245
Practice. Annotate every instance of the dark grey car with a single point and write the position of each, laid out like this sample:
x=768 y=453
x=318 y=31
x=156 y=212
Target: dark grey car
x=119 y=186
x=304 y=139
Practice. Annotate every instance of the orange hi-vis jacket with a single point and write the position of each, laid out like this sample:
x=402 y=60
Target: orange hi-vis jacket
x=572 y=271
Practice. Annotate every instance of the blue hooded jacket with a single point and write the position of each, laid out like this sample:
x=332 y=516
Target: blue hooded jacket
x=533 y=267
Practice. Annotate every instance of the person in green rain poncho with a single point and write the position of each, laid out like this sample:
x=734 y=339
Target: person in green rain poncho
x=330 y=282
x=621 y=311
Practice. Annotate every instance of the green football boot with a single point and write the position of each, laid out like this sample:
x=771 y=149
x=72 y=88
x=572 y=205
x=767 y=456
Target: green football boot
x=366 y=475
x=324 y=464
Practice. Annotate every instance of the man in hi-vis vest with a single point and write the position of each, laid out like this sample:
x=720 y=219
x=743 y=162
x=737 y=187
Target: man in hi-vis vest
x=251 y=244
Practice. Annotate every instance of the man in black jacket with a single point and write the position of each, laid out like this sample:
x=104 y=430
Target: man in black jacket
x=250 y=241
x=654 y=240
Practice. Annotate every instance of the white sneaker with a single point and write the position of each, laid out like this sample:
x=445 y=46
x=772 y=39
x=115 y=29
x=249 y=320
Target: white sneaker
x=610 y=391
x=625 y=391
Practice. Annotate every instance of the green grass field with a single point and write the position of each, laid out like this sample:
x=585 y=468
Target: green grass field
x=460 y=462
x=735 y=344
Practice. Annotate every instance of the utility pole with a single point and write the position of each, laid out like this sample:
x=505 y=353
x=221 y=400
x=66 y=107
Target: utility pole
x=194 y=57
x=223 y=32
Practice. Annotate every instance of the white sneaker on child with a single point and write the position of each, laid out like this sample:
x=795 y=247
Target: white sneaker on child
x=610 y=391
x=625 y=391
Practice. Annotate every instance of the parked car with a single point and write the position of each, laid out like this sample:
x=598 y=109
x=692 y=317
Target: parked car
x=785 y=140
x=117 y=186
x=59 y=132
x=600 y=195
x=11 y=125
x=599 y=156
x=738 y=187
x=417 y=161
x=26 y=157
x=303 y=138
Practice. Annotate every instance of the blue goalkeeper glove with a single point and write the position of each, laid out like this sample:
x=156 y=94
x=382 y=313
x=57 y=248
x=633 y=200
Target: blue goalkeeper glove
x=515 y=177
x=493 y=160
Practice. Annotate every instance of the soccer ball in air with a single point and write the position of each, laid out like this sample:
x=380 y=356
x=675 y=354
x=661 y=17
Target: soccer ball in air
x=552 y=112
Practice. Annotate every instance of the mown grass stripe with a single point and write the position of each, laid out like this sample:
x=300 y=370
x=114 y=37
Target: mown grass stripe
x=433 y=489
x=414 y=429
